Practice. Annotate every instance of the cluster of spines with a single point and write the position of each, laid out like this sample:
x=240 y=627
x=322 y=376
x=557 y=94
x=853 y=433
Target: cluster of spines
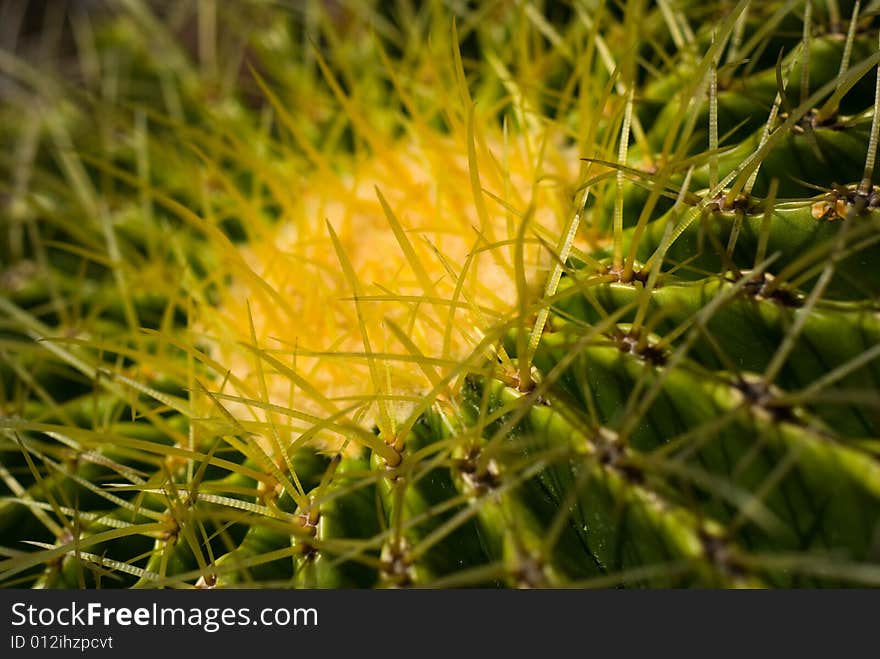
x=705 y=402
x=636 y=445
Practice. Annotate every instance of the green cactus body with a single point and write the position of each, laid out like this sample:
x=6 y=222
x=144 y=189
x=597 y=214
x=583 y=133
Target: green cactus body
x=631 y=338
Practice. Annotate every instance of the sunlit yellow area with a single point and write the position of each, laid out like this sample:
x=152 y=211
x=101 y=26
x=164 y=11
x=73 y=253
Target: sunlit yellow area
x=428 y=232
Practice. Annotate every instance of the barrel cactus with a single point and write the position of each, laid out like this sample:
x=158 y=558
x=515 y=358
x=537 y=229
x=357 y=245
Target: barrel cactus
x=364 y=295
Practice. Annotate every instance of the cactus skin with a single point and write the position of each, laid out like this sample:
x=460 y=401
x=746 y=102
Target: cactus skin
x=700 y=407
